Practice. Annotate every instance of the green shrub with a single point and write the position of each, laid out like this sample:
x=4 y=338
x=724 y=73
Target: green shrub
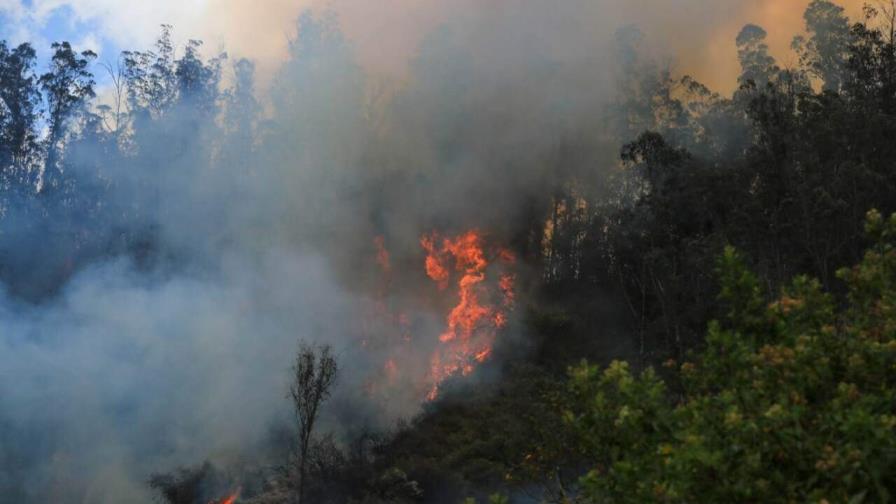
x=788 y=401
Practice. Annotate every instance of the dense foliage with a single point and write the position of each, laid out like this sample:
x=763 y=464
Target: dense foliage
x=791 y=401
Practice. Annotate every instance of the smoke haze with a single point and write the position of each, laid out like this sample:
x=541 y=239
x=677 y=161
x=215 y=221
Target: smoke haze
x=698 y=35
x=129 y=368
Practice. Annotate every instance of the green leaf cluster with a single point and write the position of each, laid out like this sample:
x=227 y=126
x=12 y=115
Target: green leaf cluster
x=788 y=401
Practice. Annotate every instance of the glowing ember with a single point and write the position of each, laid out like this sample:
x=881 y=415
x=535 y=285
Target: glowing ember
x=385 y=332
x=434 y=267
x=473 y=322
x=230 y=499
x=506 y=285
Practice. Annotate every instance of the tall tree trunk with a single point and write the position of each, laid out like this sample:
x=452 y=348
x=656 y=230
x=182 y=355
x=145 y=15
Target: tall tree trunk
x=302 y=471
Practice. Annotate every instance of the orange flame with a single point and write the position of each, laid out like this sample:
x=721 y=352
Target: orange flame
x=480 y=305
x=230 y=499
x=434 y=267
x=473 y=323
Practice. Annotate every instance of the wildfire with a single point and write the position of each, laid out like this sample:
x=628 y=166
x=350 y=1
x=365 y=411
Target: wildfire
x=230 y=499
x=475 y=278
x=434 y=267
x=473 y=322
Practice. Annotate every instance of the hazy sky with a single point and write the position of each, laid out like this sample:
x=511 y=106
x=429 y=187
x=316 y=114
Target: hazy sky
x=699 y=33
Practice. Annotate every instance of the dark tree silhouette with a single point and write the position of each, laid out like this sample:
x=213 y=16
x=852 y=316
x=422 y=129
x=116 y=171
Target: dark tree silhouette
x=68 y=87
x=314 y=374
x=19 y=108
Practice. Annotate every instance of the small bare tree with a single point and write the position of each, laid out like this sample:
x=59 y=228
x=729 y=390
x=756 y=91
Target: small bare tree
x=314 y=373
x=118 y=108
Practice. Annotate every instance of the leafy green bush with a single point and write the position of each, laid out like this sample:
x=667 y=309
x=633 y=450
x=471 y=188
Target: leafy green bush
x=788 y=401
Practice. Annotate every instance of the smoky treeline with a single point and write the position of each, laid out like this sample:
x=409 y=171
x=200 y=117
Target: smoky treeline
x=169 y=235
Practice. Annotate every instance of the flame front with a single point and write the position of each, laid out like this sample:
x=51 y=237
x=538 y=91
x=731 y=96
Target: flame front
x=473 y=323
x=473 y=283
x=230 y=499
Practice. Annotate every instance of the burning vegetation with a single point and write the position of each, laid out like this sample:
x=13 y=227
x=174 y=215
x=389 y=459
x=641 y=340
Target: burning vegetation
x=230 y=499
x=482 y=305
x=474 y=285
